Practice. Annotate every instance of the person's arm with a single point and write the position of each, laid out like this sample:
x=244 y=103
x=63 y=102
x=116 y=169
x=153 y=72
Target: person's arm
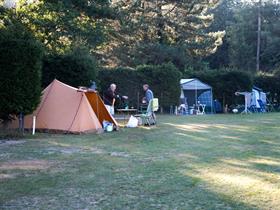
x=113 y=101
x=119 y=96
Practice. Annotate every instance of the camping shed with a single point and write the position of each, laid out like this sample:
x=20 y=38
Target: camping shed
x=195 y=92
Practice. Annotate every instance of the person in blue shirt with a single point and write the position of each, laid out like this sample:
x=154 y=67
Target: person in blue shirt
x=148 y=93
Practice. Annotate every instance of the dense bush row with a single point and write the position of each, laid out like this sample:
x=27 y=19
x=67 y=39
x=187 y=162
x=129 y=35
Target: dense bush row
x=75 y=68
x=270 y=83
x=163 y=79
x=20 y=71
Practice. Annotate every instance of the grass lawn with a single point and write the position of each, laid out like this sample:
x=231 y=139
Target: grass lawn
x=202 y=162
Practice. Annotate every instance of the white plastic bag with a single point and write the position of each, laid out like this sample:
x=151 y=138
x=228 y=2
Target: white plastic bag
x=132 y=122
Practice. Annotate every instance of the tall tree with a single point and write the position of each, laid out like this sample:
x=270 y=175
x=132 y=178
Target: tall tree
x=172 y=23
x=258 y=37
x=224 y=17
x=20 y=64
x=58 y=24
x=243 y=38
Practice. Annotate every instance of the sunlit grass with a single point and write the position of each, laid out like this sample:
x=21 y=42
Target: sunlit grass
x=203 y=162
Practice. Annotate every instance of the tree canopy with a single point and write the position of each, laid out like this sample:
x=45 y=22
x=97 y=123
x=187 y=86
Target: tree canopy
x=166 y=22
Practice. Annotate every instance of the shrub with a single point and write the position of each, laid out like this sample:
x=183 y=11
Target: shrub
x=76 y=68
x=163 y=79
x=270 y=83
x=158 y=54
x=20 y=64
x=128 y=83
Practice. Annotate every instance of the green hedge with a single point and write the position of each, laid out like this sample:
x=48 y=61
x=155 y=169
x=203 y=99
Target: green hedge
x=20 y=74
x=128 y=82
x=163 y=80
x=75 y=68
x=270 y=83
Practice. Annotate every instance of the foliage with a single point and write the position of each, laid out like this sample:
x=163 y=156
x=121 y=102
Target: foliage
x=57 y=24
x=224 y=17
x=77 y=67
x=128 y=81
x=225 y=82
x=20 y=75
x=163 y=80
x=243 y=39
x=270 y=83
x=157 y=54
x=179 y=24
x=240 y=44
x=167 y=21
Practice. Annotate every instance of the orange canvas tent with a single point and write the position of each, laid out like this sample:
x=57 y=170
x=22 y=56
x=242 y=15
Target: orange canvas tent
x=70 y=110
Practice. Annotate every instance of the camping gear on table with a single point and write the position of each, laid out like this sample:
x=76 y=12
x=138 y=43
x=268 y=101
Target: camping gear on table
x=68 y=110
x=149 y=117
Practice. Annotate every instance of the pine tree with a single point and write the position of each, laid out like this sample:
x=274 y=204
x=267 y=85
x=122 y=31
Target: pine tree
x=168 y=22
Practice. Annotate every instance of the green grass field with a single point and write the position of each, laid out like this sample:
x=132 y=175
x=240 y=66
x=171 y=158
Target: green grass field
x=202 y=162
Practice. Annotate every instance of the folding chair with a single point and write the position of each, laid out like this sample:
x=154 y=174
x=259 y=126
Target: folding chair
x=149 y=117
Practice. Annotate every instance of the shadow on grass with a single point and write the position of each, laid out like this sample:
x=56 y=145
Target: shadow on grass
x=153 y=184
x=183 y=163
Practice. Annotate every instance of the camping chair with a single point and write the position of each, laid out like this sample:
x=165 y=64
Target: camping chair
x=149 y=117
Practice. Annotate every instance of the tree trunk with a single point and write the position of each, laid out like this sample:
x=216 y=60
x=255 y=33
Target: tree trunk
x=259 y=37
x=160 y=30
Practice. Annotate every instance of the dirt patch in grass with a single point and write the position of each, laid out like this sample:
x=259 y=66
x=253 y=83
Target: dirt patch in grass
x=73 y=150
x=11 y=142
x=7 y=176
x=25 y=165
x=119 y=154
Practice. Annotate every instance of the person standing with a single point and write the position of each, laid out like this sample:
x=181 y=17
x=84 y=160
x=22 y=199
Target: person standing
x=110 y=98
x=148 y=93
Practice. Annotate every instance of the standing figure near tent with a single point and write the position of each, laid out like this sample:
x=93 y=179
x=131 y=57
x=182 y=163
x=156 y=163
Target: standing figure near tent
x=148 y=94
x=110 y=97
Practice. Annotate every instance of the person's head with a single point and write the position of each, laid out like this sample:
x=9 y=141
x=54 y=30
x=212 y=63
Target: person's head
x=145 y=87
x=113 y=87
